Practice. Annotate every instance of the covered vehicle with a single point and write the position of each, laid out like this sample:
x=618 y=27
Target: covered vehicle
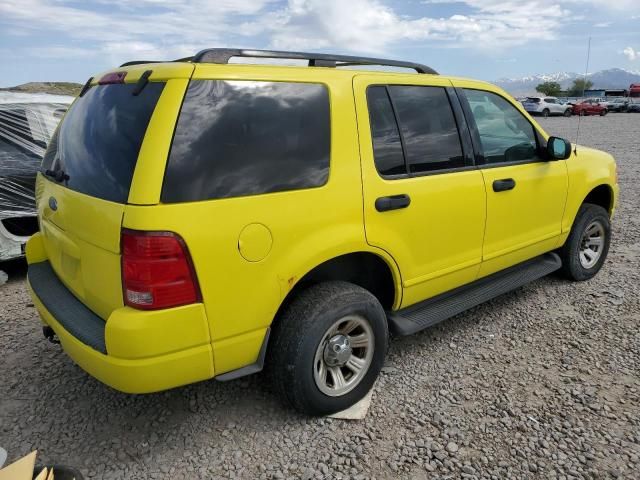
x=25 y=131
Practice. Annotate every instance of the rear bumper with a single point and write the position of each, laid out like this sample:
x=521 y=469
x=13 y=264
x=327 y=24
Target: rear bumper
x=134 y=352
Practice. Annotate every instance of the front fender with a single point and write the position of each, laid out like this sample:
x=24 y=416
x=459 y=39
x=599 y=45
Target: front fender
x=588 y=169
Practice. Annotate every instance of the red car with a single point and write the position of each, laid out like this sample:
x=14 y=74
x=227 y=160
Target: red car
x=590 y=106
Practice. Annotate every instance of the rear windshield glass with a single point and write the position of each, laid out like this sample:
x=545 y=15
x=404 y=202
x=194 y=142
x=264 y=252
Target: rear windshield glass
x=98 y=142
x=533 y=100
x=236 y=138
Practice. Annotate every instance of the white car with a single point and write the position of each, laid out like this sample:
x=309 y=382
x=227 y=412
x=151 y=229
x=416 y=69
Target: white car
x=546 y=106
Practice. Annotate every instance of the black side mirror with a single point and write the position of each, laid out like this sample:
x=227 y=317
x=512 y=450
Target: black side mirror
x=558 y=148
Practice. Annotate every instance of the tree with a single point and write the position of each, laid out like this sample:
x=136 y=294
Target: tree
x=578 y=87
x=551 y=89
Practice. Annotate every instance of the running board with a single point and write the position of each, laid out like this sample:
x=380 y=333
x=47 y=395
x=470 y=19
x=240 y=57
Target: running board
x=434 y=310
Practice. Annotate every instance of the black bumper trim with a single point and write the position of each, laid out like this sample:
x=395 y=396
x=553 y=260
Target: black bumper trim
x=68 y=311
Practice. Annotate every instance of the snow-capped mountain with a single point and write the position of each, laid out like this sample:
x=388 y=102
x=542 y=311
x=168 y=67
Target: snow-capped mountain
x=610 y=78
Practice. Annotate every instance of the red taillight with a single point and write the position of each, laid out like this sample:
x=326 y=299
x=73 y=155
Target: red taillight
x=157 y=271
x=113 y=77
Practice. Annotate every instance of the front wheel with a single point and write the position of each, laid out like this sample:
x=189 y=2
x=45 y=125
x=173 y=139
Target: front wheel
x=586 y=249
x=567 y=112
x=603 y=112
x=328 y=347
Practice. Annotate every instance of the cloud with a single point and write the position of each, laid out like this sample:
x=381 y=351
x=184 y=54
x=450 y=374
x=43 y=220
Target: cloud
x=631 y=54
x=166 y=29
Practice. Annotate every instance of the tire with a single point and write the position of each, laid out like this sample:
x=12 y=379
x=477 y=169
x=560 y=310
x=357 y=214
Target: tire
x=583 y=113
x=320 y=316
x=603 y=112
x=567 y=112
x=594 y=219
x=545 y=112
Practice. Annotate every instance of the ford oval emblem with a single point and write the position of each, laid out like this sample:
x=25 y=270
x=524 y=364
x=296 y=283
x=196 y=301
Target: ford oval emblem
x=53 y=204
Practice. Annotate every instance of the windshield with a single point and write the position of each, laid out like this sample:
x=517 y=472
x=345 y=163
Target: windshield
x=97 y=144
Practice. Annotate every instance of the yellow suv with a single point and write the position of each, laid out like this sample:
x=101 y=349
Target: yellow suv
x=201 y=218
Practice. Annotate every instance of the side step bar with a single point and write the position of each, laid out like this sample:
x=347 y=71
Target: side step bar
x=434 y=310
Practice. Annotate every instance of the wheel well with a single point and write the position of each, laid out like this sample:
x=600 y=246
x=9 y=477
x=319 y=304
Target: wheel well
x=601 y=195
x=364 y=269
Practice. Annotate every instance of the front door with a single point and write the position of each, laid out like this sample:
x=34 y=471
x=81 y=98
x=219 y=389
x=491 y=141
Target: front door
x=424 y=202
x=525 y=194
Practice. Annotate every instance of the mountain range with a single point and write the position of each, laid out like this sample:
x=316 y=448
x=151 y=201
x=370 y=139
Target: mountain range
x=610 y=78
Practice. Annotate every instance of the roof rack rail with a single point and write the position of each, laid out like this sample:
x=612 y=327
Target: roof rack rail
x=223 y=55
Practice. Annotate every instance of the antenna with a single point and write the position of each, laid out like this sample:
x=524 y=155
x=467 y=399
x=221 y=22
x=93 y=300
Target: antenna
x=584 y=85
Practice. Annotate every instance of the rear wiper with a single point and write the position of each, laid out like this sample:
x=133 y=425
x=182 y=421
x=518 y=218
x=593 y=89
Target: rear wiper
x=57 y=175
x=142 y=82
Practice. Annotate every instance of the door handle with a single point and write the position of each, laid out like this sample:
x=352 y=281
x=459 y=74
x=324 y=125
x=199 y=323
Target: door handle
x=504 y=184
x=393 y=202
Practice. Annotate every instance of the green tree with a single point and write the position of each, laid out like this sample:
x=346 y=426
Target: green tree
x=578 y=87
x=551 y=89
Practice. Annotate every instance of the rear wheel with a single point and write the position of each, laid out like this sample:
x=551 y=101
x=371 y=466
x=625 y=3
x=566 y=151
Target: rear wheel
x=603 y=112
x=545 y=112
x=328 y=347
x=588 y=244
x=583 y=113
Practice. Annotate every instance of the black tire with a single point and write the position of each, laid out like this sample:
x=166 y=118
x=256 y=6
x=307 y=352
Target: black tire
x=545 y=112
x=296 y=339
x=572 y=267
x=567 y=112
x=603 y=112
x=583 y=113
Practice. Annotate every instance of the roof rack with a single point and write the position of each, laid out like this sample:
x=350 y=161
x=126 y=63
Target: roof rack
x=223 y=55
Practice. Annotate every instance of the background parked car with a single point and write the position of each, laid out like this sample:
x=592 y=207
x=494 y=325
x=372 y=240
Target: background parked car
x=546 y=106
x=634 y=106
x=590 y=106
x=618 y=105
x=25 y=131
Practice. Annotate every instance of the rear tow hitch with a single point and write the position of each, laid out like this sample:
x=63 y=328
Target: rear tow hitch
x=50 y=335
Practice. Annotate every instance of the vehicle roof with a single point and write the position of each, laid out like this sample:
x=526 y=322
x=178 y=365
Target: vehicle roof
x=168 y=70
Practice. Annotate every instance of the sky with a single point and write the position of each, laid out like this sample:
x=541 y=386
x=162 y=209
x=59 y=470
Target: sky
x=71 y=40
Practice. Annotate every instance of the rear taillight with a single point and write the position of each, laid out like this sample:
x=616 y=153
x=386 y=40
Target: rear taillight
x=157 y=271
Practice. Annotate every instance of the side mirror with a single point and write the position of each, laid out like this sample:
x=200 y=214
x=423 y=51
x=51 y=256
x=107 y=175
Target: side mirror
x=558 y=148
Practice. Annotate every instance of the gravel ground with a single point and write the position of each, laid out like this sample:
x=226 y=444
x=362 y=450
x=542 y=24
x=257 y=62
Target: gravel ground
x=539 y=383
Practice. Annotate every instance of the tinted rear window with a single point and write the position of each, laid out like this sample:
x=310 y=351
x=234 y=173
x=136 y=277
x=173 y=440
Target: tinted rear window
x=98 y=142
x=236 y=138
x=532 y=100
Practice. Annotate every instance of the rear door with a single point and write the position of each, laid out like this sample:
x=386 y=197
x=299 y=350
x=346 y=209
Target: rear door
x=90 y=163
x=424 y=202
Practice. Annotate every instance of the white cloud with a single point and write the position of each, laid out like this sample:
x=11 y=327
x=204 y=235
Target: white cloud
x=631 y=54
x=165 y=29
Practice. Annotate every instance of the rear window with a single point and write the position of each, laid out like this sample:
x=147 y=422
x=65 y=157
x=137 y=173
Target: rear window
x=237 y=138
x=98 y=142
x=532 y=100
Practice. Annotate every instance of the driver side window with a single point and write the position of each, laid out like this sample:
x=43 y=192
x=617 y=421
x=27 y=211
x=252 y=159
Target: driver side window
x=505 y=134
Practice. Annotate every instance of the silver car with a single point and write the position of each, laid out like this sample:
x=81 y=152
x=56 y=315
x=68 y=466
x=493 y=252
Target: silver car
x=546 y=106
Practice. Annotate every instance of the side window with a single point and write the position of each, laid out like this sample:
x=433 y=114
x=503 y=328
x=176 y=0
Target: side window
x=236 y=138
x=387 y=148
x=505 y=134
x=428 y=128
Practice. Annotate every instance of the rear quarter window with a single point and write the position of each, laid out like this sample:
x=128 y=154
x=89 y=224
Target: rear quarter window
x=238 y=138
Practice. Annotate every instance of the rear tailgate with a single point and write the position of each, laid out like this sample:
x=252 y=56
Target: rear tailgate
x=91 y=162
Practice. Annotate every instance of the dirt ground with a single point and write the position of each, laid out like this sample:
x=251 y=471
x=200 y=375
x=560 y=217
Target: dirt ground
x=543 y=382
